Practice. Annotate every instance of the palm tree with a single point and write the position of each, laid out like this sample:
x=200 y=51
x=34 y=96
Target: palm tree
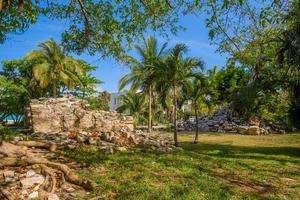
x=134 y=103
x=173 y=75
x=52 y=67
x=196 y=93
x=143 y=72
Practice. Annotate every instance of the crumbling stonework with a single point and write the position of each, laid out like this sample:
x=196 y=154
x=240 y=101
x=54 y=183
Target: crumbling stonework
x=223 y=121
x=67 y=121
x=55 y=115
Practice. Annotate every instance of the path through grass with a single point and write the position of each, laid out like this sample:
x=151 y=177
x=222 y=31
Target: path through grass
x=221 y=166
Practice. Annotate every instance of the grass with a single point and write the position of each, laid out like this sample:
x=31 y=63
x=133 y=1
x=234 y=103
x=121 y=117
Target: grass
x=221 y=166
x=7 y=134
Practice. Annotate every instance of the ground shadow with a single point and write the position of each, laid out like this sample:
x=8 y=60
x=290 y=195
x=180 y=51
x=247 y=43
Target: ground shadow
x=244 y=152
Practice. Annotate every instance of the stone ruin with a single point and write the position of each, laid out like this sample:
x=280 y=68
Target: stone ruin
x=224 y=121
x=71 y=114
x=68 y=121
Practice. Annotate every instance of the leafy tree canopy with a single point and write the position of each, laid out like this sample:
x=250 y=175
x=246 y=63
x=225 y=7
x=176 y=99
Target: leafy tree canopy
x=105 y=27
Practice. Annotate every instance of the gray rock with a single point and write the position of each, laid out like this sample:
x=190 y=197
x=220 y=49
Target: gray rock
x=30 y=173
x=109 y=150
x=92 y=141
x=32 y=181
x=242 y=129
x=53 y=197
x=17 y=139
x=81 y=138
x=33 y=195
x=121 y=148
x=9 y=179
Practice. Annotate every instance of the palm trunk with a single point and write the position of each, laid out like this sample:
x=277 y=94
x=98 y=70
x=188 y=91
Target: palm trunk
x=175 y=117
x=197 y=127
x=150 y=110
x=54 y=89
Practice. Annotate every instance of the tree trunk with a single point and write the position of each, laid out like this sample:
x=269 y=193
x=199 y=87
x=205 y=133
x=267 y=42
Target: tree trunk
x=150 y=110
x=54 y=89
x=175 y=117
x=197 y=128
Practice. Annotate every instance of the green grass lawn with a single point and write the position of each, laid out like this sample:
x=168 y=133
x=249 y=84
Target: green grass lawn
x=221 y=166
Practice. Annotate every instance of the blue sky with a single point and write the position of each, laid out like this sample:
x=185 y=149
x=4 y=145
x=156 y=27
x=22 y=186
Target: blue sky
x=108 y=70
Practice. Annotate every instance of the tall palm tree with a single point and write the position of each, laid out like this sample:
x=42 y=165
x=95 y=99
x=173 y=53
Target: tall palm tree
x=143 y=72
x=173 y=75
x=197 y=93
x=52 y=66
x=134 y=103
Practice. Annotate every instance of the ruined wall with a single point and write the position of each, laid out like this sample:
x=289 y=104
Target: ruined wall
x=223 y=121
x=55 y=115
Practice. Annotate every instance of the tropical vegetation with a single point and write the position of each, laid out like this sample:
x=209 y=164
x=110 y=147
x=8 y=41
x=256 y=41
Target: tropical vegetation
x=46 y=72
x=144 y=71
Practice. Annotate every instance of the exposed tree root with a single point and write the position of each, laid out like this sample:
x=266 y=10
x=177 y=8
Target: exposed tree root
x=6 y=194
x=49 y=146
x=17 y=155
x=50 y=177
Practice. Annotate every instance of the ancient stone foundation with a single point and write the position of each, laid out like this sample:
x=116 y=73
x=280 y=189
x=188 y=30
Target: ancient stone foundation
x=57 y=115
x=68 y=121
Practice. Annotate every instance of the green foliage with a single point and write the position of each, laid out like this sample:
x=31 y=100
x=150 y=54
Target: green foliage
x=13 y=98
x=88 y=82
x=247 y=101
x=184 y=115
x=256 y=35
x=71 y=73
x=175 y=71
x=276 y=108
x=7 y=134
x=169 y=127
x=289 y=58
x=104 y=27
x=20 y=71
x=15 y=18
x=144 y=71
x=100 y=102
x=229 y=80
x=51 y=66
x=133 y=103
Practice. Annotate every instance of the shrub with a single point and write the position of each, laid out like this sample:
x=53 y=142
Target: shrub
x=247 y=101
x=7 y=134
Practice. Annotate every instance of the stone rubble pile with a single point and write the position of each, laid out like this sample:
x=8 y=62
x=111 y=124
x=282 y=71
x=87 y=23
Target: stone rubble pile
x=68 y=121
x=223 y=121
x=109 y=142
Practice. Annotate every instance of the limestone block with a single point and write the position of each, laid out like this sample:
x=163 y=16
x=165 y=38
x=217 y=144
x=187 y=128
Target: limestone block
x=242 y=129
x=87 y=122
x=253 y=130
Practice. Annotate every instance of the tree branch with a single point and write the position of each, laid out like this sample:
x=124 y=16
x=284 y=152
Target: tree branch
x=87 y=23
x=168 y=3
x=222 y=29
